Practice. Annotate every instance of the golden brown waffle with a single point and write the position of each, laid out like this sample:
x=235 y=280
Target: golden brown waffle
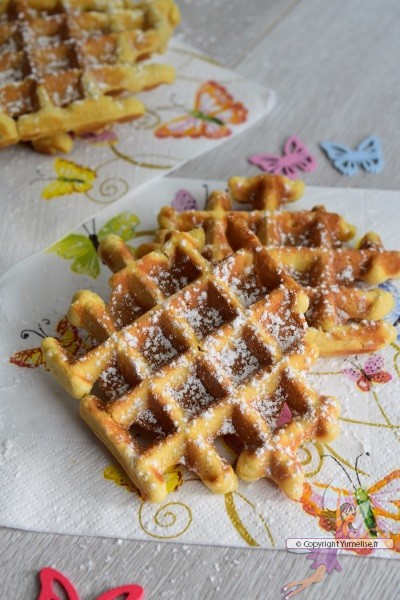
x=344 y=316
x=270 y=193
x=70 y=65
x=221 y=354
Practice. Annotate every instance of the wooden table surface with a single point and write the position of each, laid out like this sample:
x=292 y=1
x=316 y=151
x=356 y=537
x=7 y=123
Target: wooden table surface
x=335 y=69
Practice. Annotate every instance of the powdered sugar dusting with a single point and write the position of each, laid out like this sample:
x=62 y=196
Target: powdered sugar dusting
x=235 y=361
x=157 y=348
x=114 y=383
x=192 y=396
x=203 y=317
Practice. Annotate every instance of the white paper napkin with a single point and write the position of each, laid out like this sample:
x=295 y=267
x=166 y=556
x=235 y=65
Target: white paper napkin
x=55 y=476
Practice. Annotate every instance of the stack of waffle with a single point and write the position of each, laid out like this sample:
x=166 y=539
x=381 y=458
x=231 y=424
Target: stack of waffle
x=74 y=65
x=213 y=331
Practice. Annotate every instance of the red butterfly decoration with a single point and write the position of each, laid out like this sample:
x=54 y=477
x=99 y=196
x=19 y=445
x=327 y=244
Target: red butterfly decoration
x=370 y=373
x=213 y=109
x=49 y=578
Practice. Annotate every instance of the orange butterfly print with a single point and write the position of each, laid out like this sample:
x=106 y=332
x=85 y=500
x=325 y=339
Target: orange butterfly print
x=67 y=335
x=214 y=108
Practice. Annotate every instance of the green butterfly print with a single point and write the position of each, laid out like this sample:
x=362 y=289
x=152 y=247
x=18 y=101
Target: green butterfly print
x=82 y=249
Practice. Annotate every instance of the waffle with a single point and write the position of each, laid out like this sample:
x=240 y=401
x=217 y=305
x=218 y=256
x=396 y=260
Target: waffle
x=269 y=194
x=344 y=317
x=72 y=65
x=188 y=351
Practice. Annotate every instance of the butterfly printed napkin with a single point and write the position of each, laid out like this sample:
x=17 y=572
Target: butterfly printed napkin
x=44 y=197
x=55 y=476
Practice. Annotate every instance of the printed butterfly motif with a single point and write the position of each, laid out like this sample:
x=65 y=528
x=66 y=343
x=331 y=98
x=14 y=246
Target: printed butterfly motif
x=367 y=155
x=173 y=478
x=214 y=108
x=377 y=508
x=82 y=249
x=285 y=416
x=50 y=580
x=70 y=178
x=370 y=373
x=67 y=335
x=99 y=138
x=295 y=157
x=184 y=201
x=394 y=316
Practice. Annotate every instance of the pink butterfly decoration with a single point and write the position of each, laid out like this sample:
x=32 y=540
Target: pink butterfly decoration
x=50 y=578
x=295 y=157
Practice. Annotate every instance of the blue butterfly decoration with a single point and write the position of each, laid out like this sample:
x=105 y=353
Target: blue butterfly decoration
x=367 y=155
x=394 y=316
